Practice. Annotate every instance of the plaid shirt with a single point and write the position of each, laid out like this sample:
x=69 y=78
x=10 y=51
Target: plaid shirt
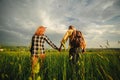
x=38 y=44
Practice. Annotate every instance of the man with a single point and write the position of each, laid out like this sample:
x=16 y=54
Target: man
x=74 y=51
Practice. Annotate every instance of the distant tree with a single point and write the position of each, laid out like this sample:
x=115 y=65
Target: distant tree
x=118 y=41
x=101 y=46
x=107 y=43
x=106 y=46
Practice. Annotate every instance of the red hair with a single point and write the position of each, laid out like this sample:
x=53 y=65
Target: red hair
x=40 y=30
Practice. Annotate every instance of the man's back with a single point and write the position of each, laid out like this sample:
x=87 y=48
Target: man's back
x=77 y=40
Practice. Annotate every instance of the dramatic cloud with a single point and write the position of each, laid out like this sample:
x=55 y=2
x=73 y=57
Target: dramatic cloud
x=99 y=20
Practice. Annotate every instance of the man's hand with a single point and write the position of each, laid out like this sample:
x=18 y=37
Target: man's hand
x=60 y=47
x=83 y=50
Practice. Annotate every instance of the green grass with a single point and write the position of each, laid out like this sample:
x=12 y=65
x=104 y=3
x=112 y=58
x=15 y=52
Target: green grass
x=93 y=65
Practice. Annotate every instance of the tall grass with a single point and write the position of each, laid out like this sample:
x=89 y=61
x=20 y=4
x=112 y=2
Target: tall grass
x=94 y=65
x=14 y=66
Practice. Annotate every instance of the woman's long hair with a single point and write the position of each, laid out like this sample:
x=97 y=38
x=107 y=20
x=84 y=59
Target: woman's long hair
x=40 y=30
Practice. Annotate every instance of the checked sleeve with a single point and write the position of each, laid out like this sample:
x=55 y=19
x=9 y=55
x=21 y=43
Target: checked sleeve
x=50 y=43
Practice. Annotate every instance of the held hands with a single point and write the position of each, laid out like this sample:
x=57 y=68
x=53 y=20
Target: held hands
x=59 y=49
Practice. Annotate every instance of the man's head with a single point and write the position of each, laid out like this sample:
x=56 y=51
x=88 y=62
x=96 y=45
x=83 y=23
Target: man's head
x=71 y=27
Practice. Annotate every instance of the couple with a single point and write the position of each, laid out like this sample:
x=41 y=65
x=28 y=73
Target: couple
x=39 y=38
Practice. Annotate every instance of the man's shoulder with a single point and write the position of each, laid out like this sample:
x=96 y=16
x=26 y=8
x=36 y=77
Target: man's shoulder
x=70 y=30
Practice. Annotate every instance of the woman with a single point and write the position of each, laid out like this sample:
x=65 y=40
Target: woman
x=37 y=48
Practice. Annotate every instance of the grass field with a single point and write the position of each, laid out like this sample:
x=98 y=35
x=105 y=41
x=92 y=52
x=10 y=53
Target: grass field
x=95 y=64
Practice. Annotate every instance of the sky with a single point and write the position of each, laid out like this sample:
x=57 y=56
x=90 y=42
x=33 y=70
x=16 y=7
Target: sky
x=98 y=20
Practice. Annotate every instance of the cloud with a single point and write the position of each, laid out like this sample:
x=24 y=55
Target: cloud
x=12 y=38
x=98 y=20
x=97 y=34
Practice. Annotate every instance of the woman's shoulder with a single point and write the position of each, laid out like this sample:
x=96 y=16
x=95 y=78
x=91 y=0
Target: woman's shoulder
x=44 y=36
